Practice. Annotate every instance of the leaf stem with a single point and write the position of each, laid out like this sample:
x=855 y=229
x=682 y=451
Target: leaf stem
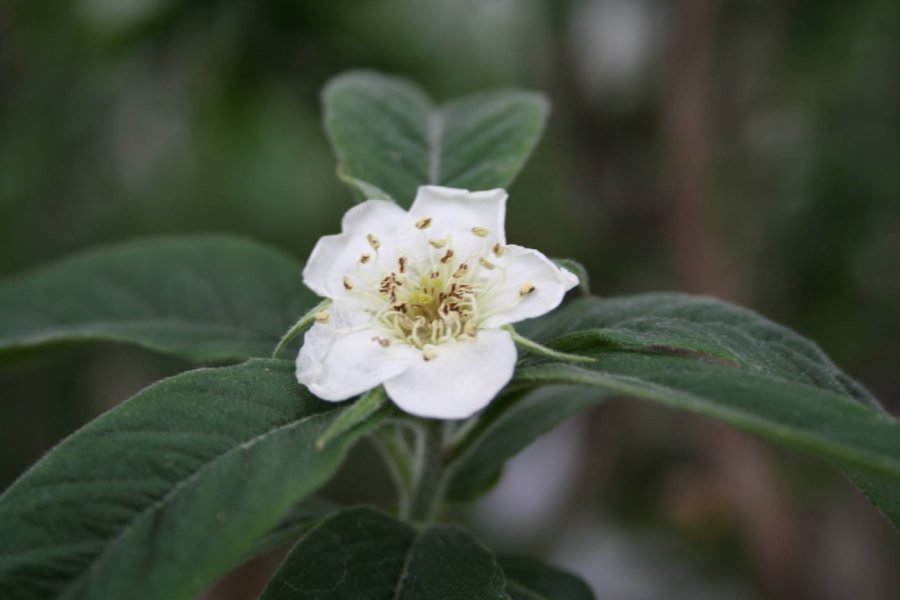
x=397 y=457
x=428 y=488
x=537 y=348
x=305 y=320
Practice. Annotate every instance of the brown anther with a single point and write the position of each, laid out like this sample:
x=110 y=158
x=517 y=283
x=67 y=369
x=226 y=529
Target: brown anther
x=348 y=285
x=401 y=307
x=365 y=258
x=423 y=223
x=438 y=243
x=480 y=231
x=402 y=261
x=460 y=271
x=526 y=289
x=498 y=249
x=447 y=256
x=381 y=341
x=373 y=241
x=435 y=275
x=486 y=263
x=321 y=317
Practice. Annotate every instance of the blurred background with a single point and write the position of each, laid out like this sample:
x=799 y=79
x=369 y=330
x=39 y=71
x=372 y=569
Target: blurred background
x=748 y=149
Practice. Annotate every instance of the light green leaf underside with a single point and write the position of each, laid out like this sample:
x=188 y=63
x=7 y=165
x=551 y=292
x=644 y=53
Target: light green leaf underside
x=363 y=554
x=209 y=299
x=168 y=491
x=705 y=356
x=389 y=136
x=529 y=579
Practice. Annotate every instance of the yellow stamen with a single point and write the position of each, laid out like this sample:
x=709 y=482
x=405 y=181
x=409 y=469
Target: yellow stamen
x=526 y=289
x=486 y=263
x=423 y=223
x=480 y=231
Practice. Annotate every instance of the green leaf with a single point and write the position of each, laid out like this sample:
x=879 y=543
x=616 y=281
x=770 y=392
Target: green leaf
x=361 y=189
x=168 y=491
x=694 y=327
x=363 y=554
x=731 y=364
x=529 y=579
x=387 y=133
x=300 y=518
x=357 y=413
x=208 y=299
x=508 y=426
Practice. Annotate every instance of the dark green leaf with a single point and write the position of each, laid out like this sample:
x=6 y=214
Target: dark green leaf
x=166 y=492
x=528 y=579
x=204 y=298
x=366 y=555
x=388 y=134
x=300 y=518
x=508 y=430
x=698 y=327
x=708 y=357
x=355 y=414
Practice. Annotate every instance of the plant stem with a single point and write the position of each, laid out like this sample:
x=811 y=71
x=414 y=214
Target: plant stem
x=398 y=458
x=429 y=484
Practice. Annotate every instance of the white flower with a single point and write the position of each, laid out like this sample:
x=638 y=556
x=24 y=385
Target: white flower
x=418 y=302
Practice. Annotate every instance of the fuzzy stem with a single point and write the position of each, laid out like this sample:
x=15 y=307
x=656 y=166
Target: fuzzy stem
x=429 y=484
x=398 y=459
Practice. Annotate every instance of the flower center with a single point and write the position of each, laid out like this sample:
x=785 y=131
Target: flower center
x=429 y=297
x=430 y=302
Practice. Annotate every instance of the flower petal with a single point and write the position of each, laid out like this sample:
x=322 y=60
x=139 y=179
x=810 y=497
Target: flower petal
x=461 y=380
x=518 y=270
x=340 y=359
x=475 y=220
x=337 y=256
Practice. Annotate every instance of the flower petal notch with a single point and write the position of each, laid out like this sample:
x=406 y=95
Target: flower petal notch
x=420 y=300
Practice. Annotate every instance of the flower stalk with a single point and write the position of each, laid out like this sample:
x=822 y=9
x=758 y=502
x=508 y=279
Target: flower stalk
x=428 y=487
